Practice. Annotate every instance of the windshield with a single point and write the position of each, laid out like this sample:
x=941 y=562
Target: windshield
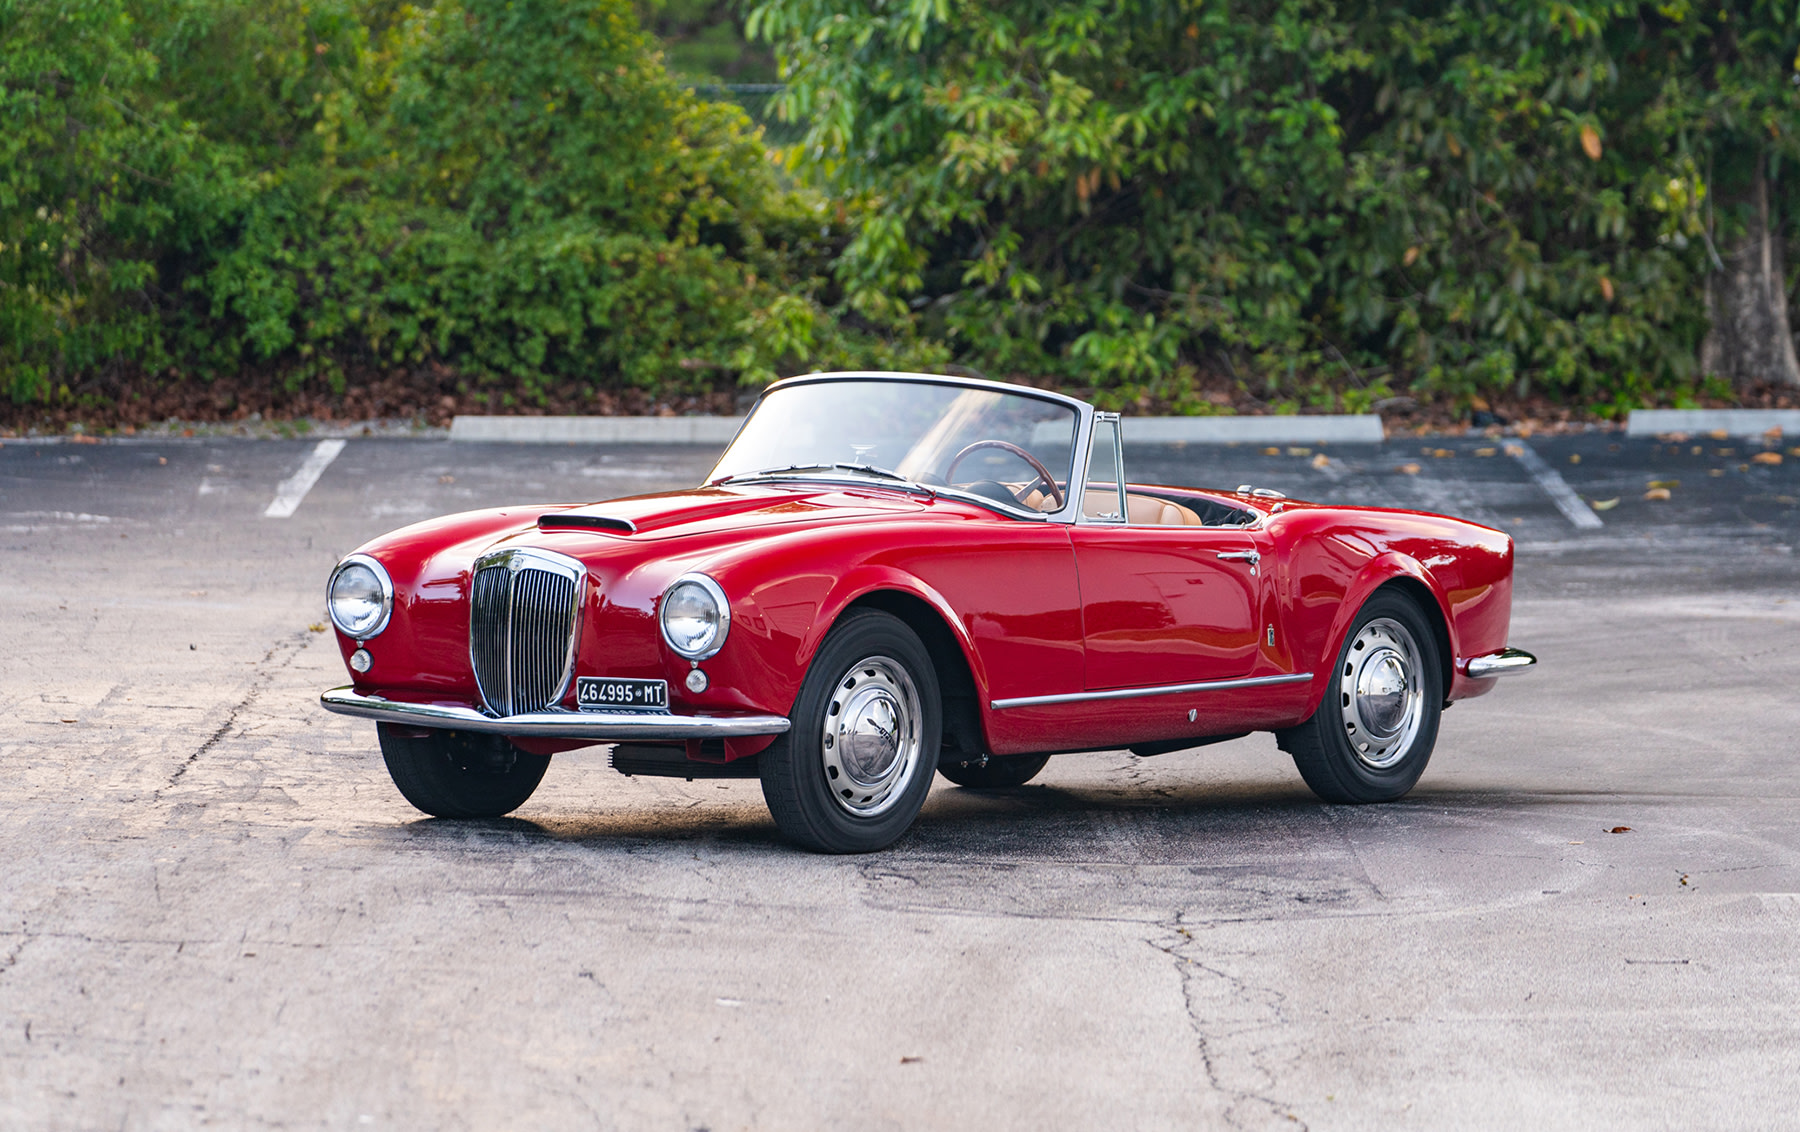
x=999 y=445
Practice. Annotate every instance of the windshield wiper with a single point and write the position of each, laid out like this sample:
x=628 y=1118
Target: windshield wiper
x=867 y=469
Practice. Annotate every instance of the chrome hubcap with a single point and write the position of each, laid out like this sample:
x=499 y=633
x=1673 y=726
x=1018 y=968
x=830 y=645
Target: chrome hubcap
x=870 y=740
x=1379 y=693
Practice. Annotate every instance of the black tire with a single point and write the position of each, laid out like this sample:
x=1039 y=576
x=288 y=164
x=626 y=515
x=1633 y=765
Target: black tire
x=1342 y=755
x=865 y=667
x=453 y=774
x=1013 y=770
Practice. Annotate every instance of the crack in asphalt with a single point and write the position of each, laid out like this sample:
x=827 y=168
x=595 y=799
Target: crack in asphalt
x=1251 y=1104
x=260 y=680
x=11 y=958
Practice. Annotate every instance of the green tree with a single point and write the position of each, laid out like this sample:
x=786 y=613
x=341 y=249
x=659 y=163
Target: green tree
x=1479 y=196
x=306 y=188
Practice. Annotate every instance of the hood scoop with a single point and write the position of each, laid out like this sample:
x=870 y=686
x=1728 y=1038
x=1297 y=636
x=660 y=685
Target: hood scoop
x=585 y=521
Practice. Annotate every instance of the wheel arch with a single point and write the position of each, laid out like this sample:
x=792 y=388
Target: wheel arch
x=1433 y=612
x=1404 y=576
x=961 y=694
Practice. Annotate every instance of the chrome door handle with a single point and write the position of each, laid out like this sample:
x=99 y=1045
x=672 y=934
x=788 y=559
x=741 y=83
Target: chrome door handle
x=1249 y=556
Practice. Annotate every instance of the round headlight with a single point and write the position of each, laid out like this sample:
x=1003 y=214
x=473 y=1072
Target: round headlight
x=695 y=616
x=360 y=597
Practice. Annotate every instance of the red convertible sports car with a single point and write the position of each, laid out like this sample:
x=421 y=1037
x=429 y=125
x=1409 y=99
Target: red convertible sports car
x=888 y=575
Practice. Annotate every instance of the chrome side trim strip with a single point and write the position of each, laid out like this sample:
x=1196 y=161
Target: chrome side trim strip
x=594 y=726
x=1156 y=690
x=1502 y=663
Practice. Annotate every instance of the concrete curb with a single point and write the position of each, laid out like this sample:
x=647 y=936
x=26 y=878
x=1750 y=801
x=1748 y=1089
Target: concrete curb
x=1359 y=428
x=1737 y=422
x=595 y=430
x=1364 y=428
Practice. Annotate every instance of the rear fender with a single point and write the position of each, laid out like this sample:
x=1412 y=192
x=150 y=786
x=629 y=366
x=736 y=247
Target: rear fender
x=1382 y=570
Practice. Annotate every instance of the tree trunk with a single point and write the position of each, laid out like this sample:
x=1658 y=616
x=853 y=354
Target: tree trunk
x=1750 y=340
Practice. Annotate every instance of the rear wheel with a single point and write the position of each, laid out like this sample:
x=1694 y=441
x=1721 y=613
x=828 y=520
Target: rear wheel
x=1374 y=730
x=454 y=774
x=995 y=773
x=851 y=774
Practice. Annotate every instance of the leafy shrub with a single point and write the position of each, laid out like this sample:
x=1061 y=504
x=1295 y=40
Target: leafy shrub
x=516 y=187
x=1459 y=197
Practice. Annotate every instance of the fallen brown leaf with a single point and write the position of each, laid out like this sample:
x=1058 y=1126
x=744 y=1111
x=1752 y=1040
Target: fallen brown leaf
x=1487 y=452
x=1271 y=452
x=1766 y=458
x=1620 y=829
x=1574 y=457
x=446 y=479
x=1720 y=434
x=1408 y=469
x=1515 y=450
x=1590 y=143
x=1442 y=453
x=1321 y=461
x=1656 y=493
x=317 y=627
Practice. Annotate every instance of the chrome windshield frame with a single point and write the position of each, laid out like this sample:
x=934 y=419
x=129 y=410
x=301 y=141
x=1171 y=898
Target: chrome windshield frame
x=1084 y=430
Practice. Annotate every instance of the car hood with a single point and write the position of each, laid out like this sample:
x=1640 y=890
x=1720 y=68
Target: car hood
x=714 y=510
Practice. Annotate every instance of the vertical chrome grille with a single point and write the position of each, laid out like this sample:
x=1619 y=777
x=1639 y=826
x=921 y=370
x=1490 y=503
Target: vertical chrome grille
x=523 y=616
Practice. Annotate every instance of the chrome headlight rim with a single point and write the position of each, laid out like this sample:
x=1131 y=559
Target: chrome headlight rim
x=719 y=600
x=387 y=596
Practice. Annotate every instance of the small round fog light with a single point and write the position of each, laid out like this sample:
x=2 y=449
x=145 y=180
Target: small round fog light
x=696 y=680
x=360 y=660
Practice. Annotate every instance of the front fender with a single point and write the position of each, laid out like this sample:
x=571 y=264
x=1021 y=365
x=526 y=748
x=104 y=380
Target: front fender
x=870 y=579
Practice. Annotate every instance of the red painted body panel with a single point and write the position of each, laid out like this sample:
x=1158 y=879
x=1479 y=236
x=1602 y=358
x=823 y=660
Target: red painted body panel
x=1036 y=608
x=1158 y=602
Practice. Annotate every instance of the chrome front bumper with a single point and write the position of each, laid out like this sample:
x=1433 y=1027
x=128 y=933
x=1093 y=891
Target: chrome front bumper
x=1502 y=663
x=593 y=726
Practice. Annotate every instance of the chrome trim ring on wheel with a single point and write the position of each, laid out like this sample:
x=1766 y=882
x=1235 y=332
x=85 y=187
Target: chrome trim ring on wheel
x=870 y=740
x=1379 y=693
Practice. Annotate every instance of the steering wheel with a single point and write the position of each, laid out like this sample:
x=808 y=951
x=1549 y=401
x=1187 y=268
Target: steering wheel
x=1044 y=475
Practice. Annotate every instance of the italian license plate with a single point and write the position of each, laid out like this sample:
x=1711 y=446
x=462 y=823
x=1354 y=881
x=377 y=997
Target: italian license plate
x=599 y=693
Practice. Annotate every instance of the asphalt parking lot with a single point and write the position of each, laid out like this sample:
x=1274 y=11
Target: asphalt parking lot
x=219 y=913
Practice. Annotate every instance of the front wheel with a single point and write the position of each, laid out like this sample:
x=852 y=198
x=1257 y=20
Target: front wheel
x=1374 y=730
x=454 y=774
x=851 y=774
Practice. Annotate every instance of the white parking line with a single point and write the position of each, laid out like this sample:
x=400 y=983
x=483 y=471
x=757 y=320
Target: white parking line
x=294 y=488
x=1555 y=487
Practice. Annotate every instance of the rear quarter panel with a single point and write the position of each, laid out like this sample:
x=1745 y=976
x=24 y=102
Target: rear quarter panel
x=1332 y=559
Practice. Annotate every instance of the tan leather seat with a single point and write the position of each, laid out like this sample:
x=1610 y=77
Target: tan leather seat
x=1142 y=510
